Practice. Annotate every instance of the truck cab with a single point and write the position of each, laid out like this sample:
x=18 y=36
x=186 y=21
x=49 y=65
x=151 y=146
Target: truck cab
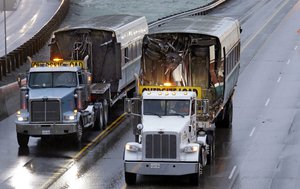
x=168 y=142
x=54 y=101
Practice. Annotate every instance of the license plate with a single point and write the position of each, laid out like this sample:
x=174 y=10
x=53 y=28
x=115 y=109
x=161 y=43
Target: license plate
x=45 y=132
x=154 y=165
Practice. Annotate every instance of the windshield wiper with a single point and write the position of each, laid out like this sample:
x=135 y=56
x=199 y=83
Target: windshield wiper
x=152 y=113
x=63 y=86
x=179 y=114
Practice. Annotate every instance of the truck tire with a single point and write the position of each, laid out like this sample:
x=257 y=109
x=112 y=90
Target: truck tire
x=194 y=179
x=98 y=124
x=225 y=117
x=130 y=178
x=227 y=122
x=210 y=140
x=105 y=113
x=77 y=137
x=22 y=140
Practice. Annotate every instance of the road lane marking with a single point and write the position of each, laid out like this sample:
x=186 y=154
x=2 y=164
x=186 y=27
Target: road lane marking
x=252 y=132
x=278 y=80
x=56 y=175
x=296 y=47
x=100 y=136
x=288 y=62
x=267 y=103
x=232 y=172
x=266 y=23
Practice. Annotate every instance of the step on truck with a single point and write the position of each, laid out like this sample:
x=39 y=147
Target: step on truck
x=189 y=71
x=91 y=67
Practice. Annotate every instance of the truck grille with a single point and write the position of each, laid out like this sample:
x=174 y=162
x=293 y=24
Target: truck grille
x=45 y=111
x=161 y=146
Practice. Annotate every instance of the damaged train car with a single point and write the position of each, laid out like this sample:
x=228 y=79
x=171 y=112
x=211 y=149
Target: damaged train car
x=202 y=51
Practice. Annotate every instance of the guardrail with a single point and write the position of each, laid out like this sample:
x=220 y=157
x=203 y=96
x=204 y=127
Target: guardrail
x=197 y=11
x=18 y=57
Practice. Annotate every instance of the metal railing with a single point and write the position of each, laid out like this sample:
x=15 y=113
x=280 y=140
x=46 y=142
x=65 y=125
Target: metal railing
x=18 y=57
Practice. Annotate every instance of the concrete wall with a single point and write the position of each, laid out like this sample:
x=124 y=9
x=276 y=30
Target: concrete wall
x=9 y=99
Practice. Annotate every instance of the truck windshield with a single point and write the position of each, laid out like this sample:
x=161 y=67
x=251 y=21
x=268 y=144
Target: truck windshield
x=52 y=79
x=166 y=107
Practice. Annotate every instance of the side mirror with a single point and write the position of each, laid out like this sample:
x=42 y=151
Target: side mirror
x=19 y=80
x=203 y=106
x=127 y=106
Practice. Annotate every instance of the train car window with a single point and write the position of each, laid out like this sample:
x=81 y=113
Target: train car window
x=123 y=57
x=126 y=55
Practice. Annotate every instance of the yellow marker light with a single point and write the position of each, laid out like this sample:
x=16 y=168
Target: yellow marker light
x=159 y=93
x=19 y=112
x=148 y=93
x=173 y=93
x=167 y=84
x=57 y=59
x=75 y=111
x=89 y=78
x=185 y=93
x=166 y=93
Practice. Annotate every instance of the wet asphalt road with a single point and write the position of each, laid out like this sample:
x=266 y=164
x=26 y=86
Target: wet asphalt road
x=261 y=151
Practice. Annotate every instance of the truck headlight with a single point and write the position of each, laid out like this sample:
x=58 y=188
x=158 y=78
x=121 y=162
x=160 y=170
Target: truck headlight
x=70 y=116
x=22 y=115
x=21 y=118
x=190 y=149
x=133 y=147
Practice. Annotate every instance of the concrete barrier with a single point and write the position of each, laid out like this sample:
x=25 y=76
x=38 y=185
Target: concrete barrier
x=9 y=99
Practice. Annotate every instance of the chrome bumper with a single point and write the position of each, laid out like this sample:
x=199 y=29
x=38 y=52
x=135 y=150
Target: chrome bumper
x=162 y=168
x=46 y=129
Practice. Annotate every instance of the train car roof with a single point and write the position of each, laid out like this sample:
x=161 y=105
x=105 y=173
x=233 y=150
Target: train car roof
x=220 y=27
x=119 y=24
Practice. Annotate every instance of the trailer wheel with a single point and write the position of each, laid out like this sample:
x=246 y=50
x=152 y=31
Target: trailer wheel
x=105 y=113
x=130 y=178
x=227 y=122
x=225 y=117
x=98 y=124
x=77 y=137
x=22 y=140
x=210 y=140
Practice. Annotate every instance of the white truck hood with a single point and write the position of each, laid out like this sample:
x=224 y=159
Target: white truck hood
x=165 y=123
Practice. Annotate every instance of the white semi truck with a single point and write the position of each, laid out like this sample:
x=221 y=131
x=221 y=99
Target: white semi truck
x=189 y=71
x=170 y=142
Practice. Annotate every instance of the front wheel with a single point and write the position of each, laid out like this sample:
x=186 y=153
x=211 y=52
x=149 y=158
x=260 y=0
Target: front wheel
x=194 y=179
x=77 y=137
x=130 y=178
x=22 y=140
